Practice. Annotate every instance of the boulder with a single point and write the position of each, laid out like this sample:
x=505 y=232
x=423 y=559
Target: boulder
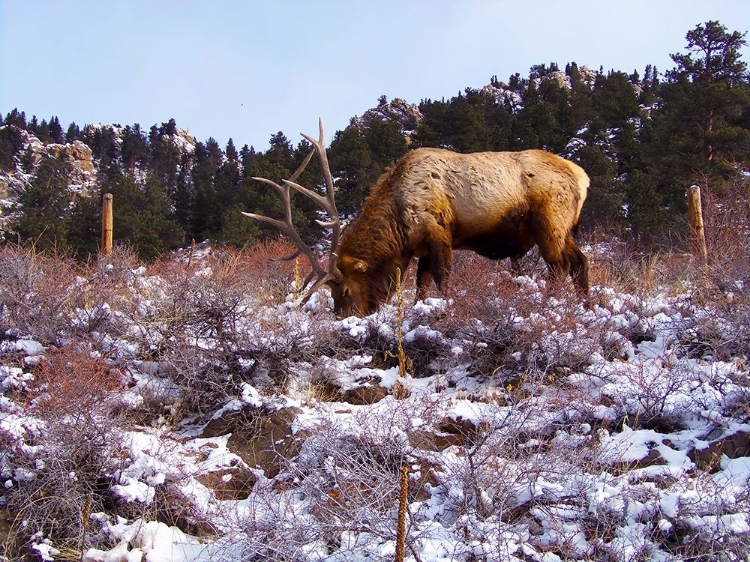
x=260 y=437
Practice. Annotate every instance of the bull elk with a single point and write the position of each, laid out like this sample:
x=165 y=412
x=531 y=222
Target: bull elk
x=432 y=201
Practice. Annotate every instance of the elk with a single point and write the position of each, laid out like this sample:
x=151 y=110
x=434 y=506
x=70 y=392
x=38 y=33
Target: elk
x=432 y=201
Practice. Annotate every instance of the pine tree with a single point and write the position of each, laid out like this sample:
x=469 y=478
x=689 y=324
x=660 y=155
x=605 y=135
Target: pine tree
x=385 y=142
x=11 y=143
x=231 y=151
x=646 y=212
x=165 y=155
x=144 y=217
x=73 y=133
x=705 y=96
x=55 y=130
x=207 y=211
x=430 y=132
x=696 y=133
x=14 y=117
x=352 y=164
x=603 y=208
x=134 y=148
x=33 y=127
x=84 y=223
x=43 y=206
x=614 y=99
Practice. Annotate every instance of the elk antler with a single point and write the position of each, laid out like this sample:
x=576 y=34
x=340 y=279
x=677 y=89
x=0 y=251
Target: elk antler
x=327 y=203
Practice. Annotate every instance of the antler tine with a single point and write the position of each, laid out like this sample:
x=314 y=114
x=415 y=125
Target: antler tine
x=330 y=198
x=287 y=226
x=327 y=203
x=317 y=285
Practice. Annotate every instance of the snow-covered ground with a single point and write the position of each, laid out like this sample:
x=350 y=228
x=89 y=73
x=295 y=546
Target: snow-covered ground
x=200 y=418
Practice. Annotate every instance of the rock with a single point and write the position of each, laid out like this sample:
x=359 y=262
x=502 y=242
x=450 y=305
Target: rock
x=427 y=476
x=734 y=447
x=461 y=428
x=431 y=441
x=261 y=438
x=447 y=432
x=362 y=395
x=407 y=116
x=230 y=483
x=80 y=155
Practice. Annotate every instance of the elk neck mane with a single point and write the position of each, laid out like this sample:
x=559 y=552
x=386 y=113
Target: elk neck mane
x=377 y=234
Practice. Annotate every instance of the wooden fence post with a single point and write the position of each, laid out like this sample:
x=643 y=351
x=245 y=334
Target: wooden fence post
x=695 y=218
x=403 y=506
x=106 y=247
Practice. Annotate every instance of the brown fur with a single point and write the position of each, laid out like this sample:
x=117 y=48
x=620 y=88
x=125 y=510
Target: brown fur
x=498 y=204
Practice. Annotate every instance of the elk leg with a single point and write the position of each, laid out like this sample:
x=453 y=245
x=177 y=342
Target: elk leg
x=435 y=264
x=552 y=248
x=515 y=261
x=579 y=266
x=515 y=265
x=424 y=276
x=440 y=252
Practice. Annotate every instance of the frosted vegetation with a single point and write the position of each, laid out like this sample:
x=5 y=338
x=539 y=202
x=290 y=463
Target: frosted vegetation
x=191 y=410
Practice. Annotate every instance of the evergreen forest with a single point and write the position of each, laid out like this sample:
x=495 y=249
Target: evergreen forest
x=642 y=138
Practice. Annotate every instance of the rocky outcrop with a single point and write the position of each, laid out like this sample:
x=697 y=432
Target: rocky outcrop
x=404 y=114
x=80 y=156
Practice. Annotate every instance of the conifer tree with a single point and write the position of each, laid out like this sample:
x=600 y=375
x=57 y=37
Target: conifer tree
x=11 y=143
x=352 y=164
x=84 y=223
x=165 y=155
x=717 y=83
x=14 y=117
x=430 y=132
x=55 y=130
x=73 y=133
x=134 y=148
x=696 y=134
x=144 y=217
x=33 y=127
x=43 y=205
x=231 y=151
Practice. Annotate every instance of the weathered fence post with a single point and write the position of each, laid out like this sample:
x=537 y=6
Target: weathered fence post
x=403 y=496
x=695 y=218
x=106 y=247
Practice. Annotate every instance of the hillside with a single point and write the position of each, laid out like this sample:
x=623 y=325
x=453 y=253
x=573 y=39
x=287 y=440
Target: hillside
x=190 y=410
x=176 y=400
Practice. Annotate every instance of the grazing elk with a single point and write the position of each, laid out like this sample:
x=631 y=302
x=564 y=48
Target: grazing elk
x=432 y=201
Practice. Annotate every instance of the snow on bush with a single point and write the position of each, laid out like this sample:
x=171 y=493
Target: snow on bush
x=192 y=410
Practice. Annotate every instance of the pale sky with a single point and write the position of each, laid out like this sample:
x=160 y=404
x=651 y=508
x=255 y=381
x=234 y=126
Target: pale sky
x=247 y=70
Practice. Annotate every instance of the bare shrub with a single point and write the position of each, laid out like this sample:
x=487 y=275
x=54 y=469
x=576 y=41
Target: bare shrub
x=475 y=287
x=105 y=287
x=35 y=292
x=273 y=279
x=726 y=217
x=194 y=326
x=339 y=498
x=209 y=326
x=59 y=483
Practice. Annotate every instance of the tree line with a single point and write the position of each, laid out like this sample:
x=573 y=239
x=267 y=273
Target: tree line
x=642 y=139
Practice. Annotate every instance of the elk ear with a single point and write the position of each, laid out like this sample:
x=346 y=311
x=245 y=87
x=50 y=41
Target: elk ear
x=349 y=264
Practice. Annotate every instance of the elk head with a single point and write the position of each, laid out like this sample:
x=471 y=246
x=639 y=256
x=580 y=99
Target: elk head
x=348 y=295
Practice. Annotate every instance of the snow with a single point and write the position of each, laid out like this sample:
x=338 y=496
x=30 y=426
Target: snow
x=556 y=455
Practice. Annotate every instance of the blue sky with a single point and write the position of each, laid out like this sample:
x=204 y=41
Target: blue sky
x=247 y=70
